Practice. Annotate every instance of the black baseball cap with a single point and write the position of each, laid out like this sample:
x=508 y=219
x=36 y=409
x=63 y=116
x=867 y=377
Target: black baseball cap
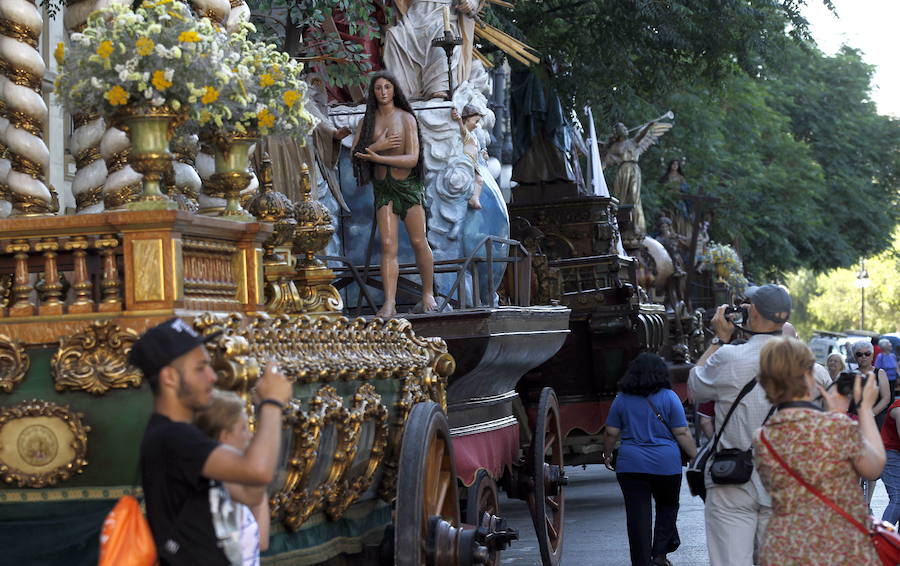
x=157 y=347
x=771 y=301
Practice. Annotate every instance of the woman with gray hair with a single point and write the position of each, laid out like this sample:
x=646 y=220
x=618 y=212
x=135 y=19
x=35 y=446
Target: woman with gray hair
x=887 y=361
x=863 y=352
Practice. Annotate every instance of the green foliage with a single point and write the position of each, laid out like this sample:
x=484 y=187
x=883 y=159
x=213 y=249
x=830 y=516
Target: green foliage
x=832 y=300
x=807 y=171
x=298 y=27
x=625 y=49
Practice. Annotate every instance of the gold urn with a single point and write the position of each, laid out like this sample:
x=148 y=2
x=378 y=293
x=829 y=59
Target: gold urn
x=269 y=205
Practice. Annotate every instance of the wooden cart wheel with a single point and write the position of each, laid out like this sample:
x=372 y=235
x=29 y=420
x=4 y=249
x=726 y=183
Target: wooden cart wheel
x=481 y=498
x=547 y=498
x=426 y=486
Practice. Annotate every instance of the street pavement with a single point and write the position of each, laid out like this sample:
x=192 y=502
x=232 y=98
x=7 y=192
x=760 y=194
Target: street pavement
x=595 y=523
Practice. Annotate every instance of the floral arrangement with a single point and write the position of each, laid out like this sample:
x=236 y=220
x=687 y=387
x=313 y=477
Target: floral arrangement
x=729 y=266
x=163 y=55
x=258 y=90
x=159 y=54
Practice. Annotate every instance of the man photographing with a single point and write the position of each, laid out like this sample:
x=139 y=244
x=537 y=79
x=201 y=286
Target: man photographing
x=182 y=468
x=736 y=515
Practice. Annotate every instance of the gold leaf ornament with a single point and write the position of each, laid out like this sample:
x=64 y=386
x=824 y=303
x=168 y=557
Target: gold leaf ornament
x=14 y=363
x=95 y=360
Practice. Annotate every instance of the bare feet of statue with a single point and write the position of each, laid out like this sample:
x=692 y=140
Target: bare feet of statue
x=442 y=95
x=475 y=199
x=388 y=310
x=428 y=303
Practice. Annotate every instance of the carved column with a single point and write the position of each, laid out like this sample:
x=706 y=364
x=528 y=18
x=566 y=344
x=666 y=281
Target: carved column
x=22 y=304
x=84 y=143
x=52 y=290
x=23 y=66
x=5 y=194
x=109 y=285
x=82 y=286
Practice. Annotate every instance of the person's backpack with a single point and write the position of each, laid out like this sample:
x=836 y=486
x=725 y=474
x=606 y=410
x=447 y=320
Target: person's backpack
x=125 y=539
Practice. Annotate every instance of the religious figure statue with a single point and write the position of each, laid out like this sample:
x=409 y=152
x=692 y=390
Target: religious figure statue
x=625 y=152
x=387 y=152
x=467 y=124
x=680 y=211
x=420 y=68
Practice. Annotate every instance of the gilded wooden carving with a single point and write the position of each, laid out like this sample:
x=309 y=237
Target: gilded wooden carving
x=41 y=443
x=368 y=428
x=95 y=360
x=14 y=363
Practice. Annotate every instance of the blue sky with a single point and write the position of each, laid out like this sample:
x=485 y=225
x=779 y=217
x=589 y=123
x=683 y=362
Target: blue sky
x=868 y=25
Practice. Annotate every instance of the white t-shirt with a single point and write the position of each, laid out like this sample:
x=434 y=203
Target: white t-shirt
x=249 y=537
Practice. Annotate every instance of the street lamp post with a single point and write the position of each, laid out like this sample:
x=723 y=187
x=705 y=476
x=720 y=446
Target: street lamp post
x=862 y=281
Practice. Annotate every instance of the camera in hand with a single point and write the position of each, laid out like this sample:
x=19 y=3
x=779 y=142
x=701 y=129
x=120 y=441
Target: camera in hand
x=844 y=383
x=731 y=310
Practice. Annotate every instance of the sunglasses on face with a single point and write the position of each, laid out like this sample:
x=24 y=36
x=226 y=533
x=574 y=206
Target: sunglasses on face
x=863 y=354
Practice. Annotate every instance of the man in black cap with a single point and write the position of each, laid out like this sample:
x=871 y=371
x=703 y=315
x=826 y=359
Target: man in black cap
x=737 y=515
x=190 y=513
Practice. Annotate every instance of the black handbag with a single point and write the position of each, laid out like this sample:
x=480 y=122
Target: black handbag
x=685 y=459
x=695 y=475
x=731 y=466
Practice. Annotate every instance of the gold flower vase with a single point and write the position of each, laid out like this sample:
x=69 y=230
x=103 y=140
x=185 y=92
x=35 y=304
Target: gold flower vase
x=150 y=129
x=232 y=162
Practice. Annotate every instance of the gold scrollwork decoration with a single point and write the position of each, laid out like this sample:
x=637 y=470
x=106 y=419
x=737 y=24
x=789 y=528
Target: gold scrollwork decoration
x=14 y=361
x=95 y=360
x=368 y=428
x=41 y=443
x=317 y=459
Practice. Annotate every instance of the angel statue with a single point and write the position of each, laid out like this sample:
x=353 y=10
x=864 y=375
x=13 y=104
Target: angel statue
x=625 y=152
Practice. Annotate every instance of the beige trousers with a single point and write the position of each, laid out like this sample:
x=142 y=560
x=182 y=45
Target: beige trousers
x=735 y=524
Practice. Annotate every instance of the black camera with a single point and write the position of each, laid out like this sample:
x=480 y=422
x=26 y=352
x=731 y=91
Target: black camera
x=844 y=383
x=731 y=310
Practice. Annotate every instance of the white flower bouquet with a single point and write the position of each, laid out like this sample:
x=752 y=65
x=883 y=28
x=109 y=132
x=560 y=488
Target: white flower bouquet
x=258 y=91
x=159 y=54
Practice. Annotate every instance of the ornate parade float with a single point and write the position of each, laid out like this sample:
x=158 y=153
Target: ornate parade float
x=211 y=181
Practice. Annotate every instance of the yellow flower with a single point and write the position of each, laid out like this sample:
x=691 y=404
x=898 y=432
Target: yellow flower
x=211 y=95
x=266 y=80
x=290 y=97
x=144 y=46
x=265 y=118
x=204 y=117
x=116 y=96
x=60 y=52
x=105 y=49
x=159 y=81
x=188 y=37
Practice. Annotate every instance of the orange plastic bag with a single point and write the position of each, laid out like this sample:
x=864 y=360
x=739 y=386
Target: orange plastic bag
x=125 y=539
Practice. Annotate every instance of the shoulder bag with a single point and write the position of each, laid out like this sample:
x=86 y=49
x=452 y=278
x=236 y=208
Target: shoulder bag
x=730 y=466
x=883 y=535
x=685 y=459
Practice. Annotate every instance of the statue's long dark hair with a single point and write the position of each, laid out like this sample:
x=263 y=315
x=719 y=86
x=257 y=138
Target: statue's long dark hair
x=362 y=170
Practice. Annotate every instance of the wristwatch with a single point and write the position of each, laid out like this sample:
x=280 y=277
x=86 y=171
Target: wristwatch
x=716 y=341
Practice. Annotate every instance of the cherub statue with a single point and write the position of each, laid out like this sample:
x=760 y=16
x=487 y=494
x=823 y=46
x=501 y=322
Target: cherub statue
x=386 y=151
x=467 y=124
x=621 y=150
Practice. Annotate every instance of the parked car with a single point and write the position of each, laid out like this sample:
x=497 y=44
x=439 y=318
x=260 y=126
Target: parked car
x=824 y=343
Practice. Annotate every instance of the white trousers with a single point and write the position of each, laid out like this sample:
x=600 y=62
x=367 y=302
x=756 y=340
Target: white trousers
x=735 y=524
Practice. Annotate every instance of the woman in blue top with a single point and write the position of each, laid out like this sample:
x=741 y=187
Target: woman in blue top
x=649 y=459
x=887 y=361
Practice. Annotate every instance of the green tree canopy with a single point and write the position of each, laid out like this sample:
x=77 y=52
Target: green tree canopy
x=832 y=300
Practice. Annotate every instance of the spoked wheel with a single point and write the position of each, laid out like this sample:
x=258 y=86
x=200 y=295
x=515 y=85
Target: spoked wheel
x=427 y=530
x=547 y=498
x=481 y=498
